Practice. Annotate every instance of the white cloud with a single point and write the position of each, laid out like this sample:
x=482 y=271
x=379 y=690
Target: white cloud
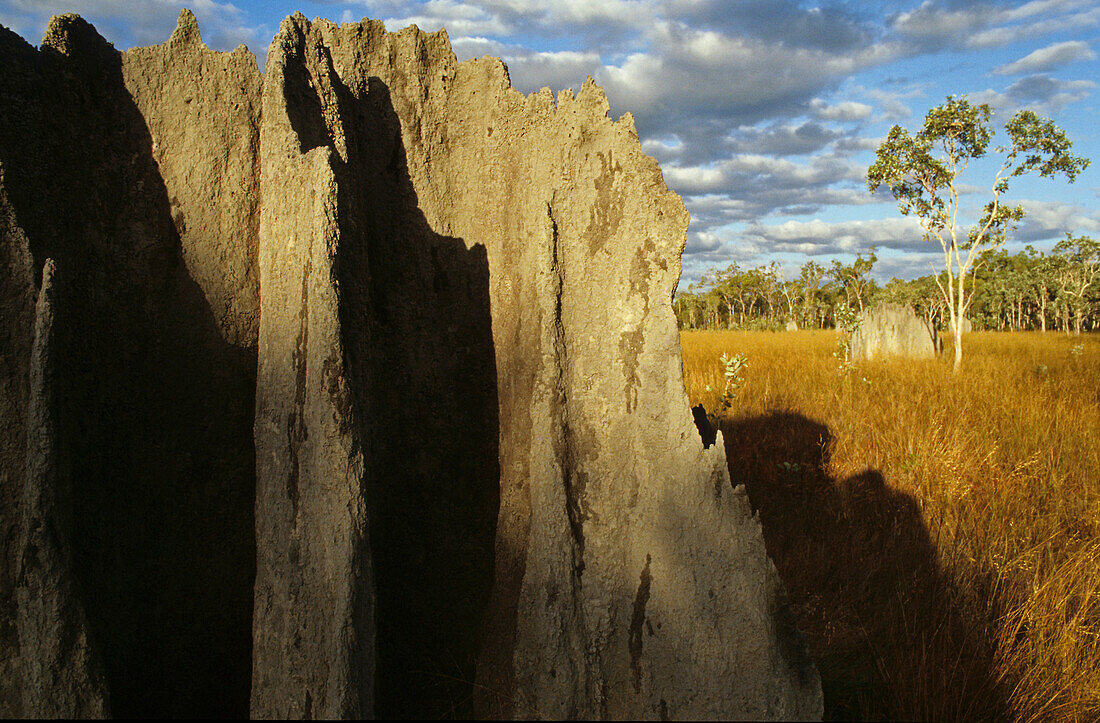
x=702 y=242
x=694 y=179
x=748 y=187
x=607 y=20
x=783 y=139
x=892 y=103
x=731 y=78
x=1041 y=93
x=1048 y=58
x=936 y=24
x=531 y=70
x=907 y=266
x=556 y=70
x=845 y=111
x=460 y=18
x=663 y=147
x=1045 y=220
x=856 y=144
x=819 y=237
x=930 y=24
x=1069 y=20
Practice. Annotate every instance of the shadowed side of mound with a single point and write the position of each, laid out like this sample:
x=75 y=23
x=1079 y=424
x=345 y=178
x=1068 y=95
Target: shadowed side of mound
x=154 y=369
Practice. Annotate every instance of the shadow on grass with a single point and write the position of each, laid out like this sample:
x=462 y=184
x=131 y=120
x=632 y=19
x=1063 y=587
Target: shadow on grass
x=887 y=628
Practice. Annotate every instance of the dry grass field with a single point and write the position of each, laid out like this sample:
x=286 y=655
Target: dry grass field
x=939 y=535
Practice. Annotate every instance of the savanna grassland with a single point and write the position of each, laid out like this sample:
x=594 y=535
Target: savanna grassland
x=938 y=534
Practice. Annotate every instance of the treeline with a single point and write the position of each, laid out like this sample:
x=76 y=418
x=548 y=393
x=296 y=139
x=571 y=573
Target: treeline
x=1028 y=290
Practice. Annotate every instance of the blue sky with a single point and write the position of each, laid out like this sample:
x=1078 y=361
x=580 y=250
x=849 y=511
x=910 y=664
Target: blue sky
x=764 y=114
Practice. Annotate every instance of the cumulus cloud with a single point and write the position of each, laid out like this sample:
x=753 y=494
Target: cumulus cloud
x=759 y=185
x=460 y=18
x=845 y=111
x=892 y=103
x=783 y=139
x=1047 y=220
x=1041 y=93
x=714 y=210
x=1022 y=24
x=817 y=237
x=857 y=144
x=695 y=179
x=702 y=242
x=936 y=24
x=1048 y=58
x=830 y=28
x=734 y=79
x=906 y=265
x=531 y=70
x=594 y=22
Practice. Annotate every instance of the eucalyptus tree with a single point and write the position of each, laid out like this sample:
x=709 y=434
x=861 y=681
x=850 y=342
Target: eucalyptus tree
x=810 y=276
x=1079 y=271
x=923 y=173
x=855 y=278
x=725 y=283
x=791 y=292
x=688 y=305
x=1040 y=282
x=771 y=286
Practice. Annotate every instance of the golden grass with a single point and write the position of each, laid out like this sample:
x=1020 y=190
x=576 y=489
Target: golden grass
x=939 y=534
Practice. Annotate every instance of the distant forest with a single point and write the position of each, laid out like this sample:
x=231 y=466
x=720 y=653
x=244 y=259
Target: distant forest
x=1027 y=291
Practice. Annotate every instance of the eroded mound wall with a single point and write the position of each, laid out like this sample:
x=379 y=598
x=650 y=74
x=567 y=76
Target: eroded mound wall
x=411 y=327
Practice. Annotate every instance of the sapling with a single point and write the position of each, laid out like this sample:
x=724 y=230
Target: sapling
x=848 y=321
x=733 y=368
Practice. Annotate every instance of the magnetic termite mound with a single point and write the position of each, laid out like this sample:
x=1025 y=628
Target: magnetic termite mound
x=354 y=388
x=893 y=330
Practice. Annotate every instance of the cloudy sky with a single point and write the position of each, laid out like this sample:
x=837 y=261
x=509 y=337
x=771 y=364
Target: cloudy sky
x=764 y=114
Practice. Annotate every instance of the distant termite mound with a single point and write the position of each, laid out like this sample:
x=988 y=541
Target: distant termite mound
x=893 y=330
x=966 y=325
x=409 y=326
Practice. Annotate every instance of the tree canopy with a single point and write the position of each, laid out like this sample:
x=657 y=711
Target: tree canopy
x=923 y=170
x=1023 y=291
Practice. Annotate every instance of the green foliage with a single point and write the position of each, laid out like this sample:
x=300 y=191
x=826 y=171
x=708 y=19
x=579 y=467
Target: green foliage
x=1039 y=145
x=922 y=173
x=791 y=469
x=921 y=170
x=733 y=369
x=848 y=321
x=760 y=299
x=1027 y=290
x=856 y=277
x=846 y=318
